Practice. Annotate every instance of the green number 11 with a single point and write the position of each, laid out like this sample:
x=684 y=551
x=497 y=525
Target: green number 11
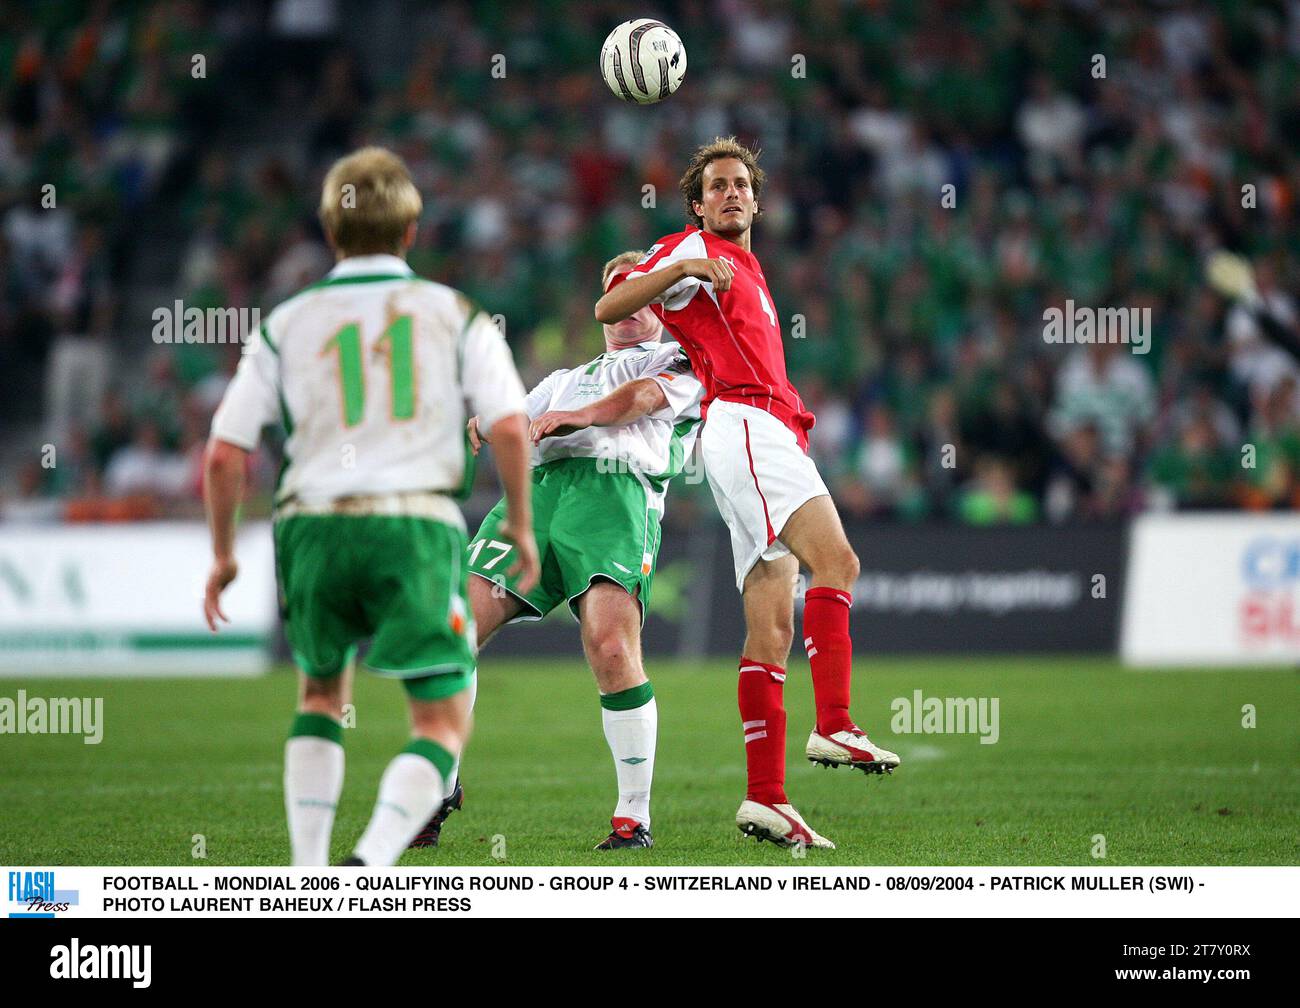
x=397 y=341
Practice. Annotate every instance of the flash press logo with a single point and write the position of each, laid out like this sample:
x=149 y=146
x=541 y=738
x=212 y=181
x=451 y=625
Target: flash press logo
x=76 y=961
x=33 y=894
x=922 y=715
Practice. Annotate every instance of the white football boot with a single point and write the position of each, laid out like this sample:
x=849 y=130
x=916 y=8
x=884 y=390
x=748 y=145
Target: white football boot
x=780 y=824
x=850 y=748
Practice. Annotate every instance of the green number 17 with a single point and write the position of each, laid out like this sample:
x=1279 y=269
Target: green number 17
x=400 y=351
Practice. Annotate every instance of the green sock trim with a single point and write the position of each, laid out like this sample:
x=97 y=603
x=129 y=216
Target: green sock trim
x=628 y=699
x=434 y=753
x=317 y=725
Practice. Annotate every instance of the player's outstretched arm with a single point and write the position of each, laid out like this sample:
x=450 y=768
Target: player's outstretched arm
x=223 y=487
x=630 y=401
x=510 y=449
x=636 y=292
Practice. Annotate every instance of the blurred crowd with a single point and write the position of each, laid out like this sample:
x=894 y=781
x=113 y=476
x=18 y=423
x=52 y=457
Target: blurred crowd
x=1096 y=152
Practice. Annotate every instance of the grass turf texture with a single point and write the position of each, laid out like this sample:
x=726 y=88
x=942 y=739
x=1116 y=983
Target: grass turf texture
x=1157 y=762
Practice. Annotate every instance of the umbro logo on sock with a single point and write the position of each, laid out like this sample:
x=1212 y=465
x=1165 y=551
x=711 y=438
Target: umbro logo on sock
x=633 y=760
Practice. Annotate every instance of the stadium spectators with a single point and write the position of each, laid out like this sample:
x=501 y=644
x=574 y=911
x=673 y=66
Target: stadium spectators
x=919 y=318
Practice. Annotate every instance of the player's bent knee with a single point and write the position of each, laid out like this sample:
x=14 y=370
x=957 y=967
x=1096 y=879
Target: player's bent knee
x=611 y=654
x=839 y=570
x=444 y=721
x=321 y=695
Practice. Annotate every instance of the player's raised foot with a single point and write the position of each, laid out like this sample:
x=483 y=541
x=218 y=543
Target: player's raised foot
x=626 y=833
x=850 y=748
x=780 y=824
x=428 y=837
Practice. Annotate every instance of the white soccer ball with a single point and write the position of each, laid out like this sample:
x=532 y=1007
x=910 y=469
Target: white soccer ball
x=643 y=61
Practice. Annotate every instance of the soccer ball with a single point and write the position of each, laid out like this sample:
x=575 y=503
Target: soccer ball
x=643 y=61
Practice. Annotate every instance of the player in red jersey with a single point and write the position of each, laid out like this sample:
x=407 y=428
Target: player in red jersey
x=710 y=292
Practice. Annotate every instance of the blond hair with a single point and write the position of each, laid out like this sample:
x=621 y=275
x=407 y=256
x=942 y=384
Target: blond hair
x=368 y=201
x=692 y=183
x=622 y=259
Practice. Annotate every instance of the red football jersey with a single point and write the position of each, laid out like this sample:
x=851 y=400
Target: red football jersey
x=733 y=339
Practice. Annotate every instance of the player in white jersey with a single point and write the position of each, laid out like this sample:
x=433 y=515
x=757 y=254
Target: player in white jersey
x=373 y=373
x=610 y=435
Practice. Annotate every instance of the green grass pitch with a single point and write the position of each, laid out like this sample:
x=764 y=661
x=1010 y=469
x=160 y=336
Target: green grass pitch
x=1159 y=763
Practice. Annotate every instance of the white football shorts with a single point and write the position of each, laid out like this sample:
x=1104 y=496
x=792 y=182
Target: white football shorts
x=759 y=476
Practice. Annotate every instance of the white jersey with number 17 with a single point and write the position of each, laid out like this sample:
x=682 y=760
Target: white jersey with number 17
x=372 y=371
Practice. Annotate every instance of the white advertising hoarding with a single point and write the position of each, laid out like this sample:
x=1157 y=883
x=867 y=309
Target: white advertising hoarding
x=126 y=600
x=1213 y=589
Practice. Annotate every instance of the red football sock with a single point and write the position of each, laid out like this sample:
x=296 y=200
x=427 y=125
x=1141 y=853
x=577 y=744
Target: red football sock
x=830 y=652
x=762 y=715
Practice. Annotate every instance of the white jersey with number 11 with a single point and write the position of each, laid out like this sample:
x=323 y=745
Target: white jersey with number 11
x=373 y=372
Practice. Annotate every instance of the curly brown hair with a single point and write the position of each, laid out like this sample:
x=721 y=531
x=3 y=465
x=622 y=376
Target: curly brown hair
x=692 y=183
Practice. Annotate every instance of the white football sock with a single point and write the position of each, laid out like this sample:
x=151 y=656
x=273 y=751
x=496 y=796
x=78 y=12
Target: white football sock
x=631 y=738
x=449 y=785
x=409 y=792
x=313 y=780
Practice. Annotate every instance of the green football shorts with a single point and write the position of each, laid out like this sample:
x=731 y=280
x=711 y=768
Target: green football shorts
x=399 y=581
x=588 y=524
